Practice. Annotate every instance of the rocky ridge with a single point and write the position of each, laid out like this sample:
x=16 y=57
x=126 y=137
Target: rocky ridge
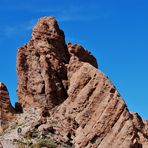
x=66 y=100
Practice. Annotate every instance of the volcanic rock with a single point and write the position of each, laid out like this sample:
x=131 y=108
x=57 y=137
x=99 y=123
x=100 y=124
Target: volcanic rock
x=6 y=109
x=96 y=116
x=66 y=99
x=42 y=65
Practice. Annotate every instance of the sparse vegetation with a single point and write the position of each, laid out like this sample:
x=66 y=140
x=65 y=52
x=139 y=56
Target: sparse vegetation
x=20 y=144
x=44 y=143
x=33 y=139
x=31 y=134
x=48 y=143
x=27 y=135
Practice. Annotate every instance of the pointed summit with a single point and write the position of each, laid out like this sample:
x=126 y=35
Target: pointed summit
x=42 y=65
x=48 y=28
x=3 y=87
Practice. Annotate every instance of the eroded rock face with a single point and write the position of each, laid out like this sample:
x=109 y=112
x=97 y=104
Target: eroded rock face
x=6 y=109
x=77 y=103
x=42 y=65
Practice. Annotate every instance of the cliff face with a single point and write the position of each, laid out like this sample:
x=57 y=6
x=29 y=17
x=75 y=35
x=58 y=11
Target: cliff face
x=64 y=94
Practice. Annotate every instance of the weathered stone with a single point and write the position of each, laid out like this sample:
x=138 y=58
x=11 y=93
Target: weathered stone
x=42 y=65
x=63 y=93
x=93 y=113
x=6 y=109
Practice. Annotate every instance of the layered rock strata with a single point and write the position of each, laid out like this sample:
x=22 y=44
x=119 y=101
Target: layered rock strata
x=95 y=116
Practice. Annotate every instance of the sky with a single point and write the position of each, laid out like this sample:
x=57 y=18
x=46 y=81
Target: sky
x=115 y=31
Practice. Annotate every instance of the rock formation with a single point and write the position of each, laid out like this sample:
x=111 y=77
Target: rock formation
x=6 y=109
x=95 y=115
x=42 y=65
x=65 y=97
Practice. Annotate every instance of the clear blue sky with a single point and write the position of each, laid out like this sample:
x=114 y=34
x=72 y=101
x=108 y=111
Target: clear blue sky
x=115 y=31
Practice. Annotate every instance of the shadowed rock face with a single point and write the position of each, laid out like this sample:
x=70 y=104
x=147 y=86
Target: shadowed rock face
x=6 y=110
x=64 y=81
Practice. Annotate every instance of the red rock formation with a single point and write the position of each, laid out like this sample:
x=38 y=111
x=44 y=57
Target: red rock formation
x=6 y=109
x=86 y=107
x=95 y=115
x=42 y=65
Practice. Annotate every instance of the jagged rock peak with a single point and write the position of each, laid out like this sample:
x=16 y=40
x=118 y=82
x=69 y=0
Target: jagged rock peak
x=43 y=63
x=47 y=27
x=65 y=97
x=3 y=87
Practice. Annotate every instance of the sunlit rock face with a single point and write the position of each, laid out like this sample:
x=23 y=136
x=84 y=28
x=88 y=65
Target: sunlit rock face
x=65 y=97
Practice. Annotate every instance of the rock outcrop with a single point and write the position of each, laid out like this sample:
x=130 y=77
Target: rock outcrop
x=65 y=97
x=42 y=65
x=95 y=115
x=6 y=109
